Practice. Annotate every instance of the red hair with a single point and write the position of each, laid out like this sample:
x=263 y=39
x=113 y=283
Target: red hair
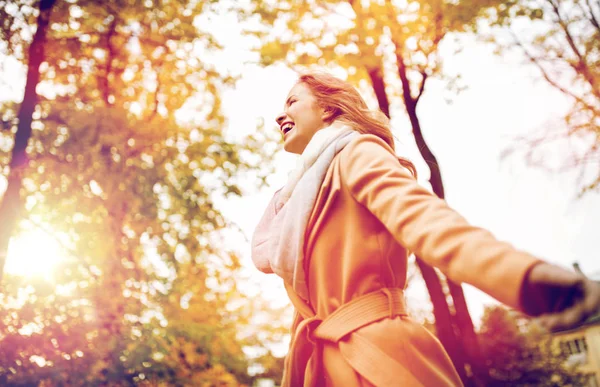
x=347 y=106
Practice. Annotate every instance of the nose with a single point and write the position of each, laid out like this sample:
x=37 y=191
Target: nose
x=280 y=118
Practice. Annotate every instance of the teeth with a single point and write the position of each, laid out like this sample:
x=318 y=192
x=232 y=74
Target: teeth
x=287 y=128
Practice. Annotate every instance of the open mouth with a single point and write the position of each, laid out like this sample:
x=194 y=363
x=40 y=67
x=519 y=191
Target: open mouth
x=287 y=127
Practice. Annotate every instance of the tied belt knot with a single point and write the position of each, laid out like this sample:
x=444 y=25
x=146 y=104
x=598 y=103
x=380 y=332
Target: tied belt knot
x=366 y=358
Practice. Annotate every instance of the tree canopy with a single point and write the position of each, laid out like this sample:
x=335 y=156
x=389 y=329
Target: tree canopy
x=126 y=156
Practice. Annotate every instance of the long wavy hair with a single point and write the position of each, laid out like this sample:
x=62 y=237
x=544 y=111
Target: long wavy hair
x=347 y=106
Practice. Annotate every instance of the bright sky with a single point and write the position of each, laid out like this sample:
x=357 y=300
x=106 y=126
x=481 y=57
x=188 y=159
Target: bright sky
x=535 y=211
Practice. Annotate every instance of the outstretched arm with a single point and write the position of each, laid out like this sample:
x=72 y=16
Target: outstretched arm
x=426 y=225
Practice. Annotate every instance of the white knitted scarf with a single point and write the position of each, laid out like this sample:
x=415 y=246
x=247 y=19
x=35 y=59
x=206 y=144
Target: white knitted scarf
x=278 y=240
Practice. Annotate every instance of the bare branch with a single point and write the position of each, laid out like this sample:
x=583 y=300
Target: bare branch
x=547 y=77
x=422 y=86
x=593 y=17
x=582 y=66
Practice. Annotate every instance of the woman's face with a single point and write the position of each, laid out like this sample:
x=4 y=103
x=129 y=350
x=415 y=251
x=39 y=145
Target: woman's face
x=301 y=119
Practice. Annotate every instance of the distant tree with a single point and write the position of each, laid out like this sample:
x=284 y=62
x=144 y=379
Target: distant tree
x=519 y=353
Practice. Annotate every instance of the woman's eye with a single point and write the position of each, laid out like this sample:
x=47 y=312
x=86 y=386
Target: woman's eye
x=292 y=101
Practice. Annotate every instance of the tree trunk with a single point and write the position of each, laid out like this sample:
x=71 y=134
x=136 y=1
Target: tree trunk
x=12 y=204
x=470 y=354
x=104 y=79
x=376 y=75
x=441 y=310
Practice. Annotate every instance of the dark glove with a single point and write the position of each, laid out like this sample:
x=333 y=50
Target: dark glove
x=561 y=299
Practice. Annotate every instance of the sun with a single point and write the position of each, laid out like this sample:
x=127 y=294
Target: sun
x=34 y=253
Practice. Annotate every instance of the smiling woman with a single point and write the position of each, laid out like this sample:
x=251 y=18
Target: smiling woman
x=33 y=253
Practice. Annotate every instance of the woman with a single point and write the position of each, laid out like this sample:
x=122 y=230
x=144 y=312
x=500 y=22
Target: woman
x=339 y=233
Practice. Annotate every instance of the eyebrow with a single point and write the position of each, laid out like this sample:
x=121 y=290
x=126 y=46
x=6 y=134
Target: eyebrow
x=288 y=100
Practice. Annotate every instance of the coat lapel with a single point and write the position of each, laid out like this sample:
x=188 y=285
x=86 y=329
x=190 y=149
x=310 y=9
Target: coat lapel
x=329 y=191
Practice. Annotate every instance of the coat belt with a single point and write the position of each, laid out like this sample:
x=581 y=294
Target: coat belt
x=367 y=359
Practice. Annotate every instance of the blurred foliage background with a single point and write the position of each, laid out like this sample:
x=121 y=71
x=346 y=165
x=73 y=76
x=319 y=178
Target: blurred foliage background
x=118 y=149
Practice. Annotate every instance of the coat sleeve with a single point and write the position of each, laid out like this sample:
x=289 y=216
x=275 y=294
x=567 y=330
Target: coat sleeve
x=426 y=225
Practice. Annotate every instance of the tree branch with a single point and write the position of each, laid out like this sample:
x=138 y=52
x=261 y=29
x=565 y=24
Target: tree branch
x=582 y=66
x=104 y=81
x=593 y=17
x=422 y=86
x=439 y=27
x=546 y=76
x=376 y=76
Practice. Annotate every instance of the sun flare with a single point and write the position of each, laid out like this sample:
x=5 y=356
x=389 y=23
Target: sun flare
x=33 y=253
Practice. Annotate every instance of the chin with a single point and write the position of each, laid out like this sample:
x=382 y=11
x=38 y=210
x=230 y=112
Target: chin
x=290 y=147
x=291 y=150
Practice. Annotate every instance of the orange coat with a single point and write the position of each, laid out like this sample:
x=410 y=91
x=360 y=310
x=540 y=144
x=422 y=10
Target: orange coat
x=369 y=213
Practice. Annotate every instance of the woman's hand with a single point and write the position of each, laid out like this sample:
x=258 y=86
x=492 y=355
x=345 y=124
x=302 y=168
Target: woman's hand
x=560 y=298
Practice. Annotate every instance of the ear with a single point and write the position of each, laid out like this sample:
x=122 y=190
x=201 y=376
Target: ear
x=328 y=114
